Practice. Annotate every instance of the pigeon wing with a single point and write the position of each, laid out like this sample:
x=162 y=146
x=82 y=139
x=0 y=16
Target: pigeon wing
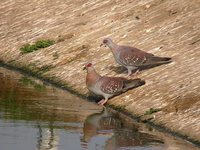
x=132 y=56
x=112 y=85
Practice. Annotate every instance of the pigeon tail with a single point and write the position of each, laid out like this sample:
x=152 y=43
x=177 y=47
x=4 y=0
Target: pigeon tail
x=159 y=59
x=133 y=83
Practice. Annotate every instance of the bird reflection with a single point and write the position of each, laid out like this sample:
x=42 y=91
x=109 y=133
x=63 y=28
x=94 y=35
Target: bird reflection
x=112 y=133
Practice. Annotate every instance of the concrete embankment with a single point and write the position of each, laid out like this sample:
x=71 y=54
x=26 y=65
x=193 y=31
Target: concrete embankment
x=165 y=28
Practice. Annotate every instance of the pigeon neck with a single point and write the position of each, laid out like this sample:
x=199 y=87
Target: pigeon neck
x=92 y=76
x=112 y=46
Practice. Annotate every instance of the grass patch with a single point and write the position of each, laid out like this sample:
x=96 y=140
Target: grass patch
x=151 y=111
x=27 y=48
x=28 y=82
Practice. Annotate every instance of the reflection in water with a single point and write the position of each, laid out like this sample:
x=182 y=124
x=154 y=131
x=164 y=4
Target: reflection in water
x=110 y=129
x=47 y=139
x=39 y=114
x=36 y=116
x=28 y=82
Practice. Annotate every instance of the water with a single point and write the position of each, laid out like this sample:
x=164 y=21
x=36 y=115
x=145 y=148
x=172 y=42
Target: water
x=38 y=116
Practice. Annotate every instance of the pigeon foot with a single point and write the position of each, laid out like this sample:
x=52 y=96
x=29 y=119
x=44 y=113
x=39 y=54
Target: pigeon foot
x=102 y=102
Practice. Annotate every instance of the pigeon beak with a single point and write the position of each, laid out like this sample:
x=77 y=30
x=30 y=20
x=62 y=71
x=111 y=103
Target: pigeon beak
x=84 y=68
x=102 y=45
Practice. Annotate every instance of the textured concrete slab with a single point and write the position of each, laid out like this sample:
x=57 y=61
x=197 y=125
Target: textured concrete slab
x=165 y=28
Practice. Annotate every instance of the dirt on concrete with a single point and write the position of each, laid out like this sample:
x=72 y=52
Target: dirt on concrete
x=164 y=28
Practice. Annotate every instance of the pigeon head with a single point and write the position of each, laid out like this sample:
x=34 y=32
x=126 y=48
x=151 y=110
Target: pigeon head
x=108 y=42
x=87 y=66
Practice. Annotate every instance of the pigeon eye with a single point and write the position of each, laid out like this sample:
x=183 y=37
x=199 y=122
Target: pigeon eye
x=105 y=41
x=89 y=65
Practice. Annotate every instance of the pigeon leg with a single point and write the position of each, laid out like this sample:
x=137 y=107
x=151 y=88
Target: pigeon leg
x=129 y=72
x=136 y=72
x=131 y=69
x=103 y=101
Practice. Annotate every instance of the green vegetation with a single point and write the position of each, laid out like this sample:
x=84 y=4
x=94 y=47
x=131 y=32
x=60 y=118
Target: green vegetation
x=151 y=111
x=27 y=48
x=28 y=82
x=17 y=107
x=9 y=104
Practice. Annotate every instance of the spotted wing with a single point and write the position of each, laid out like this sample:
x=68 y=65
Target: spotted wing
x=132 y=56
x=111 y=85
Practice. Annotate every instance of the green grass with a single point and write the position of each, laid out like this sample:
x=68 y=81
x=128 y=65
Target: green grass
x=27 y=48
x=28 y=82
x=151 y=111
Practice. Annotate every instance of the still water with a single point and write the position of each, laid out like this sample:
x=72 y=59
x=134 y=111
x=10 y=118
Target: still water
x=38 y=116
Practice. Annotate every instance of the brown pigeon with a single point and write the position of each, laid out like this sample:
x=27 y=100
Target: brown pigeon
x=133 y=58
x=108 y=86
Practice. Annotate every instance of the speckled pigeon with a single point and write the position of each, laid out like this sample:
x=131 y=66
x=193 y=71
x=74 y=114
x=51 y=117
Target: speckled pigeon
x=108 y=86
x=133 y=58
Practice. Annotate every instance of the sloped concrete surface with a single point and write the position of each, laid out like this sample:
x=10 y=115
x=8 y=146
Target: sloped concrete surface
x=165 y=28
